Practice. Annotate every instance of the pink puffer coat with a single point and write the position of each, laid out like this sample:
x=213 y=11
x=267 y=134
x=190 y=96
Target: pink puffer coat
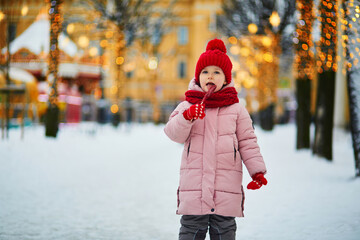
x=211 y=167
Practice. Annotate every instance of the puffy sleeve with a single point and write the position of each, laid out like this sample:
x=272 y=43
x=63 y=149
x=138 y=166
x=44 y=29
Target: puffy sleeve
x=248 y=146
x=178 y=128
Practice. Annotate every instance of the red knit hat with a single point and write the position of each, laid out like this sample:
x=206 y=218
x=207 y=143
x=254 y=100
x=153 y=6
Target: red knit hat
x=215 y=55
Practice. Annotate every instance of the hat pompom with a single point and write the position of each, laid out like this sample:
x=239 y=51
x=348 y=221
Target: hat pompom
x=216 y=44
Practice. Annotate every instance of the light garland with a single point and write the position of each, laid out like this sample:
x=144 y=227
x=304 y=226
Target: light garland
x=350 y=40
x=303 y=41
x=55 y=29
x=328 y=40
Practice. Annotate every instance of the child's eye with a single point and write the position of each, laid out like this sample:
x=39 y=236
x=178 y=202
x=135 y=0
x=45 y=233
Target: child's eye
x=204 y=72
x=217 y=72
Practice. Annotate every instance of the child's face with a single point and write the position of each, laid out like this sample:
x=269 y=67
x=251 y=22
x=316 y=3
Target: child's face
x=212 y=74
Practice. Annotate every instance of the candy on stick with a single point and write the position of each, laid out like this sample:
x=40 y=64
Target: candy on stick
x=210 y=91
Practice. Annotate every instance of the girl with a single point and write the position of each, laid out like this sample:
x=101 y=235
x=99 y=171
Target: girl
x=218 y=137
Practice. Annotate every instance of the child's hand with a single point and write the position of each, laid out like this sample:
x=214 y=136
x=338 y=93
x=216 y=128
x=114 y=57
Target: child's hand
x=257 y=182
x=194 y=112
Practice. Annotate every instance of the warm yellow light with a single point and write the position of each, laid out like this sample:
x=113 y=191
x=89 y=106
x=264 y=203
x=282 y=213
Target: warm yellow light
x=114 y=108
x=275 y=19
x=234 y=50
x=304 y=46
x=24 y=10
x=104 y=43
x=70 y=28
x=232 y=40
x=83 y=41
x=266 y=41
x=254 y=71
x=93 y=51
x=153 y=63
x=109 y=34
x=2 y=16
x=236 y=66
x=268 y=57
x=130 y=67
x=242 y=75
x=252 y=28
x=120 y=60
x=113 y=90
x=244 y=52
x=97 y=93
x=248 y=82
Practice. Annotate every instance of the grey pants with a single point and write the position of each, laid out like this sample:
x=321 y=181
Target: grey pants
x=195 y=227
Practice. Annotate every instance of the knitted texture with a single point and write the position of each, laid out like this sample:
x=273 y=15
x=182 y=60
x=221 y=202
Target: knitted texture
x=215 y=55
x=257 y=182
x=224 y=97
x=194 y=112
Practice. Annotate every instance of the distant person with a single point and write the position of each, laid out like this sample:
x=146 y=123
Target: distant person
x=218 y=137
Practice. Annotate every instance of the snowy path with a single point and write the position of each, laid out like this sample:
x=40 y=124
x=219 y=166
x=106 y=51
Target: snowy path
x=121 y=184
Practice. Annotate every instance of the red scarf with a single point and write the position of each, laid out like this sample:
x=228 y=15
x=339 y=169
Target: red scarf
x=224 y=97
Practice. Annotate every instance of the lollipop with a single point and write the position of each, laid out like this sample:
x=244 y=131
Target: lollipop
x=209 y=92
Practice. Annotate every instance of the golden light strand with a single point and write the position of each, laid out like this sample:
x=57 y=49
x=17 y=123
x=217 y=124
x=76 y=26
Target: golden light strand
x=328 y=40
x=55 y=29
x=350 y=25
x=303 y=43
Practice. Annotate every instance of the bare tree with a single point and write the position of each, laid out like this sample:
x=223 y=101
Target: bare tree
x=237 y=17
x=52 y=113
x=327 y=67
x=352 y=29
x=304 y=62
x=133 y=20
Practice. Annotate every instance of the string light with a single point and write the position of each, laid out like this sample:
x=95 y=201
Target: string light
x=303 y=43
x=350 y=24
x=275 y=19
x=252 y=28
x=24 y=10
x=55 y=28
x=328 y=39
x=2 y=16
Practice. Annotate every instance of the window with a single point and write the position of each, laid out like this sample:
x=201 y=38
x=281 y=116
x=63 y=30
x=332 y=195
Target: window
x=182 y=69
x=183 y=35
x=212 y=22
x=129 y=74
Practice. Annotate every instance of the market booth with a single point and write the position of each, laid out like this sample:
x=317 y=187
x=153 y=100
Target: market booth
x=19 y=99
x=77 y=74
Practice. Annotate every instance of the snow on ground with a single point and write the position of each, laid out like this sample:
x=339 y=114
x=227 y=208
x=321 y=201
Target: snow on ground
x=98 y=182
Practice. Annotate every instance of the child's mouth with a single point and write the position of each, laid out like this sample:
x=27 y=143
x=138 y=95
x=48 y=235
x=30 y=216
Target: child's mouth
x=210 y=84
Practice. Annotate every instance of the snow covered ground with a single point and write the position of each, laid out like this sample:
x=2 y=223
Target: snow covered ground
x=97 y=182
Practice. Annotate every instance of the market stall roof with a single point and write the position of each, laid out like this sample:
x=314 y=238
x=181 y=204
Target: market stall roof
x=36 y=38
x=17 y=74
x=20 y=77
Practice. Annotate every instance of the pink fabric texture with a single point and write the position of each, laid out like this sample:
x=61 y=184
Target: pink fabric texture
x=215 y=149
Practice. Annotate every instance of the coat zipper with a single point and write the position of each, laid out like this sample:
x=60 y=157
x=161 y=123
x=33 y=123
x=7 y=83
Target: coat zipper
x=188 y=150
x=234 y=154
x=243 y=198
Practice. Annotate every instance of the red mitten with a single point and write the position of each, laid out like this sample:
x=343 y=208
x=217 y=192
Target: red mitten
x=194 y=112
x=257 y=182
